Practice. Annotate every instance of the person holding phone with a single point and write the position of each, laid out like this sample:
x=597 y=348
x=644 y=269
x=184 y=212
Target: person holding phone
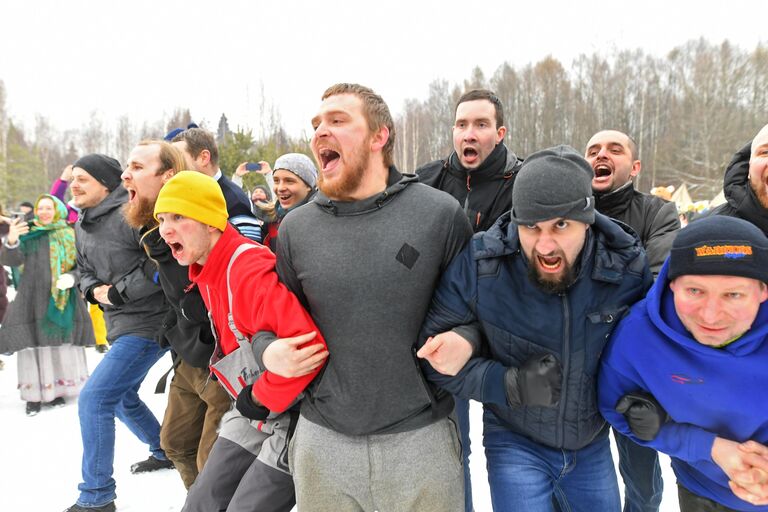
x=47 y=323
x=293 y=183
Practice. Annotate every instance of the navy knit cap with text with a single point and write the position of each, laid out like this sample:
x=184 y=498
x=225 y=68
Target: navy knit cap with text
x=554 y=183
x=720 y=245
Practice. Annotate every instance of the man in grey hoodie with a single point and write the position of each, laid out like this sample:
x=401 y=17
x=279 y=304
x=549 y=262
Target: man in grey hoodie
x=364 y=258
x=116 y=274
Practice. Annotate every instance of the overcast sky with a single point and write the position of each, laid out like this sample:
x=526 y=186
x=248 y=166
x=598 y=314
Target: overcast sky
x=64 y=59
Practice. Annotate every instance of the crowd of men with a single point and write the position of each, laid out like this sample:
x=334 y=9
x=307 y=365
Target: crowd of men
x=336 y=373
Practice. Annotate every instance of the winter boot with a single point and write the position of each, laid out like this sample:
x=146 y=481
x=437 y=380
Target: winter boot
x=151 y=464
x=102 y=348
x=33 y=408
x=56 y=402
x=109 y=507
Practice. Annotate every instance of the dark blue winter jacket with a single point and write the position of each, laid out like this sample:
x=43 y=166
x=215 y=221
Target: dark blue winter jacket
x=487 y=294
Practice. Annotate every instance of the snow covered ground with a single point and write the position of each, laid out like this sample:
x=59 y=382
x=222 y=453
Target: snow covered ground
x=40 y=458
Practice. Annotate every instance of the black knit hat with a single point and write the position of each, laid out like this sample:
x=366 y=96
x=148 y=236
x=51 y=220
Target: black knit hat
x=720 y=245
x=554 y=183
x=105 y=169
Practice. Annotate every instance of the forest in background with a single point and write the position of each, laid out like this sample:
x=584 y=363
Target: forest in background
x=689 y=111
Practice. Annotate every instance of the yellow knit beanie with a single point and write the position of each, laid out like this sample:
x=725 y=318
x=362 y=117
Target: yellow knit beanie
x=196 y=196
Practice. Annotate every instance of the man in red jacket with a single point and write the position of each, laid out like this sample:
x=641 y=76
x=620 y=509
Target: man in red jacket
x=239 y=285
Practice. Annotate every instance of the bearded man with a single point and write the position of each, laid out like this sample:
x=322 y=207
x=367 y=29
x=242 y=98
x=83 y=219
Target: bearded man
x=518 y=322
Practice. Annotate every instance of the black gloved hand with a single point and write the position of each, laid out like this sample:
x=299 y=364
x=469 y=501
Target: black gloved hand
x=644 y=414
x=537 y=383
x=248 y=407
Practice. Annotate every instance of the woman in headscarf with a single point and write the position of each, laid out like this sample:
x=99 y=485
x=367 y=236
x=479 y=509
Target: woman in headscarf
x=47 y=322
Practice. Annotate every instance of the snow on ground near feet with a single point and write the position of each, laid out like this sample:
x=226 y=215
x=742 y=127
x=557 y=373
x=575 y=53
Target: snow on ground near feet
x=40 y=461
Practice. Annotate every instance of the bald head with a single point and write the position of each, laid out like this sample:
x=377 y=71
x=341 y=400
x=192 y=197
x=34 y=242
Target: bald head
x=613 y=157
x=760 y=141
x=758 y=166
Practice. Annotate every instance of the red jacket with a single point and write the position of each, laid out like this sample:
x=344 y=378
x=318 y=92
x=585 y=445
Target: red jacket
x=261 y=303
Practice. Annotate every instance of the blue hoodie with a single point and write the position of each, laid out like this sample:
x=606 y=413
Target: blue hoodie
x=706 y=391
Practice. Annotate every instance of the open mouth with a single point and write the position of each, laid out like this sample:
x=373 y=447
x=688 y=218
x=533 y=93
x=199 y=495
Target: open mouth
x=602 y=171
x=550 y=263
x=176 y=249
x=470 y=155
x=131 y=194
x=284 y=198
x=328 y=159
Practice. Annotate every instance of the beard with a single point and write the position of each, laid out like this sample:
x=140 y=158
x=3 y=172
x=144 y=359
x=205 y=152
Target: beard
x=343 y=187
x=762 y=195
x=139 y=213
x=547 y=284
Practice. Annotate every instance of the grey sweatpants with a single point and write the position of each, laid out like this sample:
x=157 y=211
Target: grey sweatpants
x=418 y=470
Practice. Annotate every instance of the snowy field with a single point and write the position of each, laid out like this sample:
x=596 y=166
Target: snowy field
x=40 y=464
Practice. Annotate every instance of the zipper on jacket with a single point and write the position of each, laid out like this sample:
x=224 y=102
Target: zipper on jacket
x=564 y=361
x=466 y=202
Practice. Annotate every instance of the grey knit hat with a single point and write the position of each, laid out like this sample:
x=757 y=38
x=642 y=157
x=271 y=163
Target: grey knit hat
x=554 y=183
x=300 y=165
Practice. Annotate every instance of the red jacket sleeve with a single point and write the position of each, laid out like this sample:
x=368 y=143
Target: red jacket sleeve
x=262 y=303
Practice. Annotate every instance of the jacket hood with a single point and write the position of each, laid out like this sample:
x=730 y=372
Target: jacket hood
x=396 y=182
x=660 y=306
x=738 y=192
x=616 y=246
x=114 y=200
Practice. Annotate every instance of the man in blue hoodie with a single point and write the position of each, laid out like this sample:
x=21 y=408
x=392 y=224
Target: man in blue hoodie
x=684 y=372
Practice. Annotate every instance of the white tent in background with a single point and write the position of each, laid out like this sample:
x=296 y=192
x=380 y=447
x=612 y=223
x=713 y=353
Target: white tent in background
x=682 y=198
x=718 y=199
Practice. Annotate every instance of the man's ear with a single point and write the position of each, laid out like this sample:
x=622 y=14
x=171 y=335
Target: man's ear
x=167 y=175
x=204 y=157
x=379 y=139
x=636 y=167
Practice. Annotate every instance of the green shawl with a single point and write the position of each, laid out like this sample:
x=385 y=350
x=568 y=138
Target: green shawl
x=59 y=317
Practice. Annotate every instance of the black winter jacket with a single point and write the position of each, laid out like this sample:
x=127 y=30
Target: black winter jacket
x=485 y=193
x=741 y=199
x=185 y=328
x=653 y=219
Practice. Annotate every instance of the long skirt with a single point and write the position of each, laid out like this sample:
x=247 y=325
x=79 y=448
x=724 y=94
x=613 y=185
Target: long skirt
x=46 y=373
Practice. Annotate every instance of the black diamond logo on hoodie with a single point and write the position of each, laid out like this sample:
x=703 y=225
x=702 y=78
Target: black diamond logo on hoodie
x=407 y=255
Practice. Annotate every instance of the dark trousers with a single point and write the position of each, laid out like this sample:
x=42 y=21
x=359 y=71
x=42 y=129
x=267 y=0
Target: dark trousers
x=641 y=473
x=234 y=480
x=690 y=502
x=195 y=407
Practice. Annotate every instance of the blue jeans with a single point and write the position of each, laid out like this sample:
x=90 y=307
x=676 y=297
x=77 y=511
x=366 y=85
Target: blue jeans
x=640 y=470
x=525 y=475
x=462 y=416
x=113 y=390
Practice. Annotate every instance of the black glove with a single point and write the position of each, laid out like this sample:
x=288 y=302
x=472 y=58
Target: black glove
x=643 y=413
x=248 y=407
x=537 y=383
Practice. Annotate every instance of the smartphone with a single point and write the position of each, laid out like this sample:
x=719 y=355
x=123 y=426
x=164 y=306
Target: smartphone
x=252 y=166
x=18 y=215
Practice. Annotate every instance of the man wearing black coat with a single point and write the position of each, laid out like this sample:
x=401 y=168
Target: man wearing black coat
x=614 y=159
x=195 y=402
x=745 y=184
x=480 y=174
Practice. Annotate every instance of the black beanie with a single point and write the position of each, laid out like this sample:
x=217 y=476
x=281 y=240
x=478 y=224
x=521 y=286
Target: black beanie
x=720 y=245
x=105 y=169
x=554 y=183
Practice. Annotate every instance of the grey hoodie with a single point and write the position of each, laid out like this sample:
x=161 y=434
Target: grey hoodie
x=366 y=270
x=109 y=252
